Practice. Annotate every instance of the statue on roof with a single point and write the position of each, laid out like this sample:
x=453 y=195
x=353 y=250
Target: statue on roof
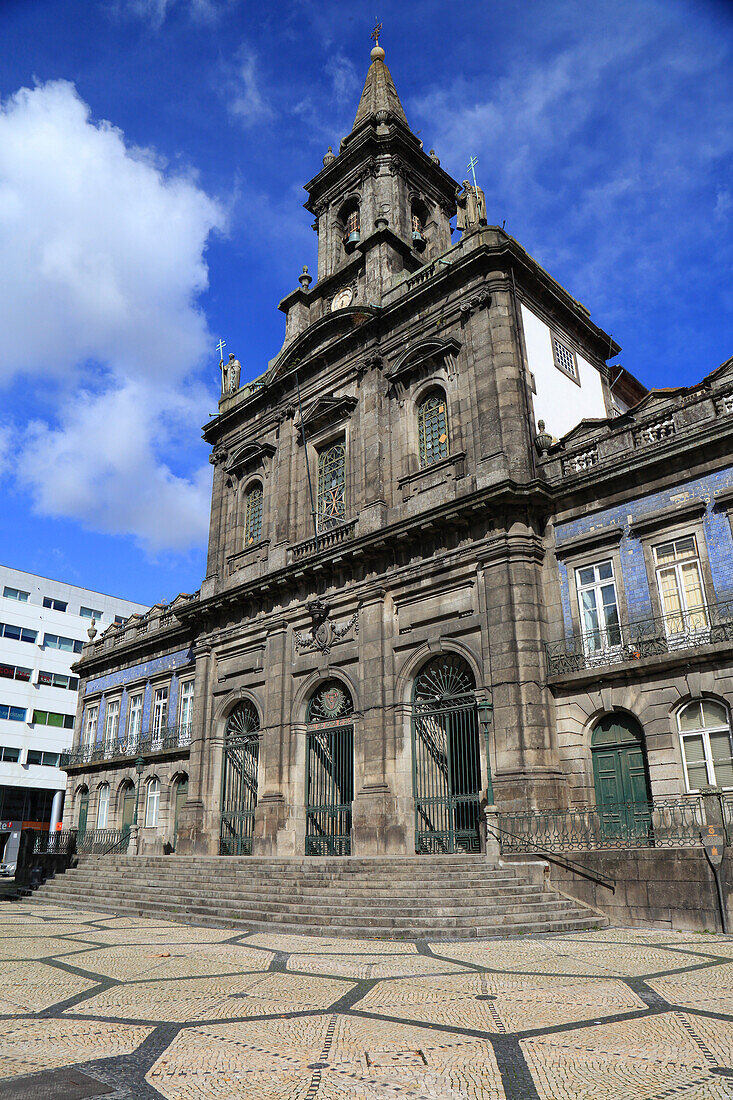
x=471 y=203
x=230 y=374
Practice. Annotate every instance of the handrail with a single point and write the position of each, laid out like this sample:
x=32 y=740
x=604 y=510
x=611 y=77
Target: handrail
x=149 y=743
x=562 y=861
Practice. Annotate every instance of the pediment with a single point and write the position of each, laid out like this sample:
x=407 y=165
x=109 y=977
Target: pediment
x=250 y=454
x=657 y=399
x=584 y=429
x=325 y=410
x=432 y=351
x=320 y=335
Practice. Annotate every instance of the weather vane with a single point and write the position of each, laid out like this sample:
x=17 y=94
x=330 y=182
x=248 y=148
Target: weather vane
x=375 y=32
x=220 y=348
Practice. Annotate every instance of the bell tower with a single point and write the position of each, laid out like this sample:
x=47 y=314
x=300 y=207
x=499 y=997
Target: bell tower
x=381 y=187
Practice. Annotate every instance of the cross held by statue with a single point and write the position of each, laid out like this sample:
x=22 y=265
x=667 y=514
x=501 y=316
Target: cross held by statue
x=220 y=348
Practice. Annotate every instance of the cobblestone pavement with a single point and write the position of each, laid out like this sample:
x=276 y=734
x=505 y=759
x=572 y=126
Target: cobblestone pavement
x=147 y=1008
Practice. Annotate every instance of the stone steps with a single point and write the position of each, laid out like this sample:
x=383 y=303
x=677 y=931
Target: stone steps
x=448 y=897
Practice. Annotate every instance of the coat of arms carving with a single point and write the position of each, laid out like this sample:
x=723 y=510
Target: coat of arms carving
x=323 y=633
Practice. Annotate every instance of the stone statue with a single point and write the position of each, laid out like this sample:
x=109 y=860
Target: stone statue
x=471 y=205
x=230 y=373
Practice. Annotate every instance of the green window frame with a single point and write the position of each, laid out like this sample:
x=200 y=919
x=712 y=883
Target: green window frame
x=332 y=485
x=432 y=424
x=253 y=515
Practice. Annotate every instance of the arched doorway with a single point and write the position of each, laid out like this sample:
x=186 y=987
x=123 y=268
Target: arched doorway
x=330 y=770
x=83 y=812
x=620 y=775
x=239 y=780
x=180 y=796
x=446 y=761
x=128 y=806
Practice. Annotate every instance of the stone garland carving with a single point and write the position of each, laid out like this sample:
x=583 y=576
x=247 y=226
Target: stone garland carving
x=475 y=301
x=323 y=633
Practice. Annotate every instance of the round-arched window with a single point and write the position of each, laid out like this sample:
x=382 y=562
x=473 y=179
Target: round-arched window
x=243 y=722
x=331 y=701
x=253 y=515
x=707 y=744
x=103 y=806
x=444 y=677
x=432 y=427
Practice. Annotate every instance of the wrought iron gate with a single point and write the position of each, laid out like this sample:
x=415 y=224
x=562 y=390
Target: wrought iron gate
x=239 y=780
x=446 y=762
x=330 y=771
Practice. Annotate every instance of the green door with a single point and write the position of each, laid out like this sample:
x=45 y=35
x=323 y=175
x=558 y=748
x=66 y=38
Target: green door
x=128 y=808
x=620 y=777
x=83 y=814
x=181 y=796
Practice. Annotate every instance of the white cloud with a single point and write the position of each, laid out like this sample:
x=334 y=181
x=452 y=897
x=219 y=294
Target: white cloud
x=246 y=101
x=101 y=263
x=204 y=11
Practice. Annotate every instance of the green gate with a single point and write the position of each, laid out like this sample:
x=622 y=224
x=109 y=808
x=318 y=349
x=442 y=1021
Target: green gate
x=128 y=808
x=446 y=761
x=239 y=780
x=181 y=799
x=620 y=777
x=83 y=813
x=330 y=771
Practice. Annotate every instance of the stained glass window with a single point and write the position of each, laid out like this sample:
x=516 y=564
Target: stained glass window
x=432 y=420
x=253 y=516
x=331 y=485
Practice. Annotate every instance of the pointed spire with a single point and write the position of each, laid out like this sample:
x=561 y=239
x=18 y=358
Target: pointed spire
x=379 y=92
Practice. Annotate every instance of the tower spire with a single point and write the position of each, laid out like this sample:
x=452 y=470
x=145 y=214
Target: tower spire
x=379 y=92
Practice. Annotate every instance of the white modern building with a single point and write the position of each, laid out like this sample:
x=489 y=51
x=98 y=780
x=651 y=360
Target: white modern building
x=43 y=624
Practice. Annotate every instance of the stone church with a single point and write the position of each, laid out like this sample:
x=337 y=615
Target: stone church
x=455 y=559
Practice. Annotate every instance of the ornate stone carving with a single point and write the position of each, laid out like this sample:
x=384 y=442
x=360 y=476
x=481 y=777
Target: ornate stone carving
x=218 y=456
x=475 y=301
x=323 y=634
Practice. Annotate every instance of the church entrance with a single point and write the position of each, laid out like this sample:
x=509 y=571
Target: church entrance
x=181 y=797
x=330 y=771
x=620 y=776
x=239 y=780
x=446 y=762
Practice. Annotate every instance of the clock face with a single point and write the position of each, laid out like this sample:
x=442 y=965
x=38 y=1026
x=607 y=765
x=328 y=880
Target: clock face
x=342 y=299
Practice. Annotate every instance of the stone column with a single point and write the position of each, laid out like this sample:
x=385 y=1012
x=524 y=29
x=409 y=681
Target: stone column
x=374 y=451
x=377 y=826
x=56 y=805
x=194 y=831
x=273 y=801
x=528 y=772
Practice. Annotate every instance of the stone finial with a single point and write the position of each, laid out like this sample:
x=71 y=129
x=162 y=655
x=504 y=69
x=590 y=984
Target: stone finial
x=543 y=438
x=305 y=279
x=377 y=54
x=329 y=158
x=434 y=158
x=92 y=631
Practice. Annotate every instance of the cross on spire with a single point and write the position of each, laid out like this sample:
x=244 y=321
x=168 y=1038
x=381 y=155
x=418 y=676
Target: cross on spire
x=376 y=31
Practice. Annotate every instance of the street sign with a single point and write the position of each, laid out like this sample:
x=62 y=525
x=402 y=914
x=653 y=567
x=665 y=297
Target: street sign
x=713 y=837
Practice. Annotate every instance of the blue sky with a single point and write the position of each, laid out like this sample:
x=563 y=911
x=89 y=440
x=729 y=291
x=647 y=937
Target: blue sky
x=152 y=157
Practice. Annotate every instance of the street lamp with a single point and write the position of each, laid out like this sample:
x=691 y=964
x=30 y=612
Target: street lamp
x=485 y=715
x=139 y=768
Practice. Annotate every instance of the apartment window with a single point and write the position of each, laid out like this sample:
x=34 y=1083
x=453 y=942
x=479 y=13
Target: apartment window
x=152 y=803
x=681 y=590
x=111 y=721
x=134 y=719
x=598 y=605
x=160 y=710
x=103 y=806
x=186 y=713
x=53 y=718
x=15 y=672
x=9 y=755
x=90 y=613
x=90 y=725
x=45 y=759
x=12 y=714
x=54 y=605
x=17 y=633
x=253 y=516
x=68 y=645
x=332 y=485
x=564 y=358
x=432 y=425
x=58 y=680
x=119 y=619
x=707 y=745
x=15 y=594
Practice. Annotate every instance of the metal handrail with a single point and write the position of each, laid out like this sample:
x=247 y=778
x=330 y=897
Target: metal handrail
x=710 y=624
x=147 y=744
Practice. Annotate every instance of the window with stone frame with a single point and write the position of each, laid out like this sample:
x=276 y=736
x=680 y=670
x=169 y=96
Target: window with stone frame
x=134 y=720
x=103 y=806
x=707 y=744
x=152 y=803
x=432 y=428
x=332 y=485
x=160 y=711
x=253 y=515
x=681 y=588
x=565 y=360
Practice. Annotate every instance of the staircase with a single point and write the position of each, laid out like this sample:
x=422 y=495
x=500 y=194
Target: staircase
x=434 y=897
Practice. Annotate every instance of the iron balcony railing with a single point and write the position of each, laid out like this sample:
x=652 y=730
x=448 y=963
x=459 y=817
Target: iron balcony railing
x=661 y=823
x=621 y=642
x=97 y=842
x=166 y=739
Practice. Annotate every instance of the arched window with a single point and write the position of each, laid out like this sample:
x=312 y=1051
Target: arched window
x=239 y=782
x=418 y=218
x=83 y=811
x=253 y=515
x=103 y=806
x=352 y=225
x=332 y=485
x=152 y=803
x=432 y=425
x=707 y=746
x=330 y=770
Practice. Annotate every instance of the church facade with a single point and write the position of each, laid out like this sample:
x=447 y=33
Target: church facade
x=455 y=559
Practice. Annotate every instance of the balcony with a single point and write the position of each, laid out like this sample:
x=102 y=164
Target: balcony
x=328 y=539
x=151 y=743
x=641 y=640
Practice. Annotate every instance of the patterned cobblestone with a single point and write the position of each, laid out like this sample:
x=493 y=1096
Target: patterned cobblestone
x=188 y=1013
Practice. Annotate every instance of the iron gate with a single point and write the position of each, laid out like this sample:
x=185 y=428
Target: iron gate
x=446 y=762
x=239 y=780
x=330 y=771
